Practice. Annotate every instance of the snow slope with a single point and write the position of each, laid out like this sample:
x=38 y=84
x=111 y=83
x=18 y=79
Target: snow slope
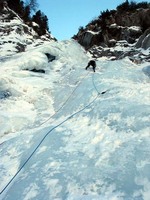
x=70 y=133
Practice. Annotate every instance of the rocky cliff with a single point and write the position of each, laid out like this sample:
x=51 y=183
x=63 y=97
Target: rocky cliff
x=116 y=28
x=15 y=35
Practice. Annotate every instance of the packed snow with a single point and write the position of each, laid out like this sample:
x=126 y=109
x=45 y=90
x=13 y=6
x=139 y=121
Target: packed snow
x=72 y=134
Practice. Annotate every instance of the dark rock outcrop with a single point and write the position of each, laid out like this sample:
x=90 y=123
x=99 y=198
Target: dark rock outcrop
x=139 y=17
x=38 y=70
x=50 y=57
x=4 y=94
x=144 y=40
x=118 y=26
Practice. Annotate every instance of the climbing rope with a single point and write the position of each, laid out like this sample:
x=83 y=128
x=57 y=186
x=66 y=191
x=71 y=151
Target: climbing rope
x=62 y=106
x=93 y=81
x=68 y=118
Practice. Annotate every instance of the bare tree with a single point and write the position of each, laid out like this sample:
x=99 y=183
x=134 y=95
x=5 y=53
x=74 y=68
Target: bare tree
x=32 y=4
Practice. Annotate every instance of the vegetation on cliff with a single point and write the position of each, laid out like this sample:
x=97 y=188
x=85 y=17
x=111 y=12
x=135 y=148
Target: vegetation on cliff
x=27 y=10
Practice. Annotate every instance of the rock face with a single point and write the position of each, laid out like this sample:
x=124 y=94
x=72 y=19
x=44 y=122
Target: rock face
x=15 y=35
x=89 y=38
x=109 y=36
x=139 y=17
x=127 y=26
x=144 y=40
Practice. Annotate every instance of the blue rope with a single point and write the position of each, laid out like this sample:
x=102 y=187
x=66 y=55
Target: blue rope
x=71 y=116
x=94 y=84
x=60 y=106
x=99 y=93
x=64 y=102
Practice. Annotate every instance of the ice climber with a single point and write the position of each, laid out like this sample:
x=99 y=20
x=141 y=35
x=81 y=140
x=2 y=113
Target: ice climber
x=91 y=63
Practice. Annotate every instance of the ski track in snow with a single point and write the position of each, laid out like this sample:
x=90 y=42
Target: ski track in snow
x=101 y=153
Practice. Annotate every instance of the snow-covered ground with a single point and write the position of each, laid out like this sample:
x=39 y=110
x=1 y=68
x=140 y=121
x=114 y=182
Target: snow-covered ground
x=72 y=134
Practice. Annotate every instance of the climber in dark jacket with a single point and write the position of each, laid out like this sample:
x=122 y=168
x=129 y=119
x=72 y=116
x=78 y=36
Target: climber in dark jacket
x=91 y=63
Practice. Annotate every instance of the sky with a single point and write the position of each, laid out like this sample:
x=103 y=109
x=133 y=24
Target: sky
x=66 y=16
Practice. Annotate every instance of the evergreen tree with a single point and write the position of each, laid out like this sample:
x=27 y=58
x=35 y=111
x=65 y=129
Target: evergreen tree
x=17 y=6
x=24 y=11
x=27 y=13
x=124 y=6
x=42 y=21
x=37 y=17
x=45 y=22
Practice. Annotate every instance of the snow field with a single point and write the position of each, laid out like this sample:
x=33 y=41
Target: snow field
x=100 y=153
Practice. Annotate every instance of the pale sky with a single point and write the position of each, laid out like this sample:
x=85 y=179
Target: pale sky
x=66 y=16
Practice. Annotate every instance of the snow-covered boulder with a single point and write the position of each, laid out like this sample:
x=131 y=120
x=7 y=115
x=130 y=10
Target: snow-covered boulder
x=35 y=61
